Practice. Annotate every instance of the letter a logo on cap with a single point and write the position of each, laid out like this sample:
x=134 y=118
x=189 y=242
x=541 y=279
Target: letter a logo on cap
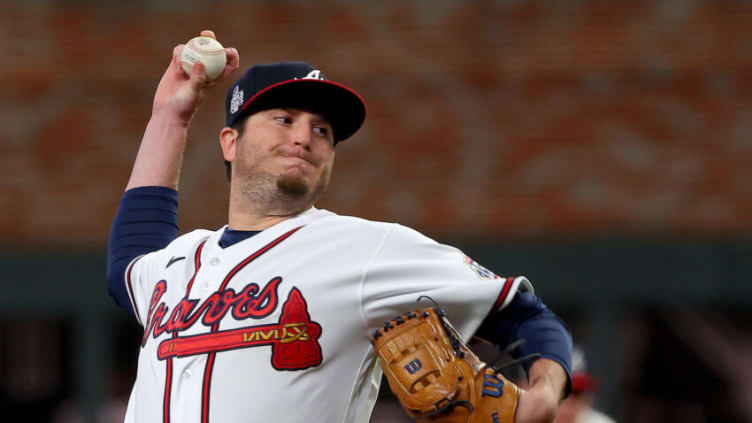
x=314 y=74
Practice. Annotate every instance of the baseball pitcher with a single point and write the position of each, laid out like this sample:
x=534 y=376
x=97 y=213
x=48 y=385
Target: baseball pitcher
x=290 y=313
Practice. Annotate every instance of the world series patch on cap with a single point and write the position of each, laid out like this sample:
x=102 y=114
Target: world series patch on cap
x=296 y=85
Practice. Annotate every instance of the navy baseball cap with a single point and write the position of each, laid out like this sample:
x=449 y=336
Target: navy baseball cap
x=296 y=85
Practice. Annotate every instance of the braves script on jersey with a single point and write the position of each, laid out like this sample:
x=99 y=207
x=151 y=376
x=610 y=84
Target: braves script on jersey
x=276 y=328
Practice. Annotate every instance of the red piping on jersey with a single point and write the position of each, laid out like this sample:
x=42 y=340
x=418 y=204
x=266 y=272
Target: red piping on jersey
x=215 y=327
x=168 y=376
x=197 y=262
x=167 y=392
x=206 y=387
x=503 y=295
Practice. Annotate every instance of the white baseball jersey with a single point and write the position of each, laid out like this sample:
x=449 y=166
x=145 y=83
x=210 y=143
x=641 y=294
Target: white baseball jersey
x=277 y=327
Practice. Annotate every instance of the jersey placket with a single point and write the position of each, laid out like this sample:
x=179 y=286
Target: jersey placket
x=169 y=365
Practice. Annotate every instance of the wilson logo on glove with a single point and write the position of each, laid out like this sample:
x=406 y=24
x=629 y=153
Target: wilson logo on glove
x=413 y=366
x=492 y=386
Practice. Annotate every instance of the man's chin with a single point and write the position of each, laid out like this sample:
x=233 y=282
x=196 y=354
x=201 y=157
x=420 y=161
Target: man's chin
x=293 y=186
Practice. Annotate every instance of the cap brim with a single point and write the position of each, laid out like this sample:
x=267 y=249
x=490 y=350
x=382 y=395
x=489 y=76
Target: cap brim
x=342 y=107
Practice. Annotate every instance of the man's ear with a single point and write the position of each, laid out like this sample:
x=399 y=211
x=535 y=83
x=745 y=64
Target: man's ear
x=228 y=139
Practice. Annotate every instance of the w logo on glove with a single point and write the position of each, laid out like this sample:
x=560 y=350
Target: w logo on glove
x=492 y=386
x=413 y=366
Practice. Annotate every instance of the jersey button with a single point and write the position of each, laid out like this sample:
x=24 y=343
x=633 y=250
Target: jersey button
x=187 y=373
x=214 y=261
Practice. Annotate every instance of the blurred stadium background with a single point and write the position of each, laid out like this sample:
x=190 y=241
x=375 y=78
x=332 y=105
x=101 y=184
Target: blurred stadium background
x=602 y=148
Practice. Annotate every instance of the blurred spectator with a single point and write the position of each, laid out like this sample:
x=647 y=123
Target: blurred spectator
x=578 y=407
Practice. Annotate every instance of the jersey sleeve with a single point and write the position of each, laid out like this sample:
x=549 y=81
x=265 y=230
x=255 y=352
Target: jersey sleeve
x=408 y=265
x=145 y=221
x=528 y=319
x=145 y=271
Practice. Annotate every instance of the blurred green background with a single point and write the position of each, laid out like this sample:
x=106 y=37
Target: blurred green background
x=601 y=148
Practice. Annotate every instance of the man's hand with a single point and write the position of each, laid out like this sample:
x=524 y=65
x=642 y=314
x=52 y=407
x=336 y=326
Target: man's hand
x=160 y=156
x=178 y=95
x=539 y=402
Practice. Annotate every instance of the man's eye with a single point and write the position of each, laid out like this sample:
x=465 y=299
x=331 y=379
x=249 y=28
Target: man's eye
x=283 y=119
x=321 y=130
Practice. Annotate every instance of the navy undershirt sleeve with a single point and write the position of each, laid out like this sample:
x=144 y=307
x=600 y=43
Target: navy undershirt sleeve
x=146 y=221
x=526 y=317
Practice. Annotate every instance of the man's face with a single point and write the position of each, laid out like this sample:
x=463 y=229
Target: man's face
x=293 y=148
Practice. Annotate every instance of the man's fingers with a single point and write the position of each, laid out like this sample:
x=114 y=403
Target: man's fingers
x=175 y=62
x=198 y=76
x=233 y=62
x=208 y=33
x=233 y=58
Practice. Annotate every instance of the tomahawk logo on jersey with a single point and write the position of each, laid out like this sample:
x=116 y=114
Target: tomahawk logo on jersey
x=294 y=339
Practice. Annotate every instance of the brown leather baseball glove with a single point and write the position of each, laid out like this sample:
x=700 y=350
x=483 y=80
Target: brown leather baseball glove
x=436 y=377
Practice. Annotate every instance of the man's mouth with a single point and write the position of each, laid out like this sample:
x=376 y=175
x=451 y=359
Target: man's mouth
x=296 y=153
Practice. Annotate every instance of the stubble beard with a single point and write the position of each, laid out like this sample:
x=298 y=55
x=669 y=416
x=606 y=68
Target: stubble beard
x=281 y=194
x=292 y=186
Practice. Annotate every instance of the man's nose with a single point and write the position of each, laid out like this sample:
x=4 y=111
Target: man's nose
x=302 y=134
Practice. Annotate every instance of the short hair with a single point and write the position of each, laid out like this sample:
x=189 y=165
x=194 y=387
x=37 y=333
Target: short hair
x=239 y=126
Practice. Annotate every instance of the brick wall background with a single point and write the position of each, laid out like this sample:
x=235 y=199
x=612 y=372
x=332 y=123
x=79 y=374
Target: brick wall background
x=602 y=148
x=486 y=119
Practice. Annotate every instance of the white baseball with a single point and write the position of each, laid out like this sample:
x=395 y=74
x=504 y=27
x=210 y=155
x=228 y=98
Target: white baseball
x=208 y=51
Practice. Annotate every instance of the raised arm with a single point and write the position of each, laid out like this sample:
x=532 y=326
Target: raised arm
x=146 y=219
x=160 y=156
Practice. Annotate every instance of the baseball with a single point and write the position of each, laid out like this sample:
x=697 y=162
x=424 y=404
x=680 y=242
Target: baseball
x=208 y=51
